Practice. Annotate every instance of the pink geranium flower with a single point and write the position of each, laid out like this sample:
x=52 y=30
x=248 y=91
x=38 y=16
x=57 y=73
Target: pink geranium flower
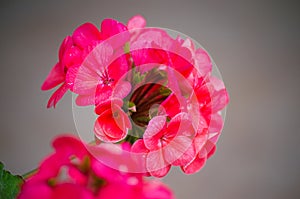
x=71 y=55
x=166 y=144
x=154 y=45
x=152 y=90
x=208 y=97
x=113 y=123
x=73 y=172
x=209 y=108
x=74 y=50
x=99 y=75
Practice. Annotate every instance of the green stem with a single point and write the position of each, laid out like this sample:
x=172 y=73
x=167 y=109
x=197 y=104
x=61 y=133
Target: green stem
x=29 y=174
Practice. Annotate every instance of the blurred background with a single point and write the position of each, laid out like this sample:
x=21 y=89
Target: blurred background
x=255 y=44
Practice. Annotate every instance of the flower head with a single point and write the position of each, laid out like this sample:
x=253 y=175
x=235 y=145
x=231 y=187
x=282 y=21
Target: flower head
x=148 y=88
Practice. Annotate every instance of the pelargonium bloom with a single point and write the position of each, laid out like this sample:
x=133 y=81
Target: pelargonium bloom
x=99 y=75
x=152 y=90
x=73 y=51
x=71 y=54
x=165 y=82
x=113 y=123
x=165 y=144
x=73 y=172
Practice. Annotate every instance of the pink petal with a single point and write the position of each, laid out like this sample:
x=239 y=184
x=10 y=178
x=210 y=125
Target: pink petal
x=156 y=165
x=89 y=73
x=157 y=38
x=50 y=167
x=85 y=34
x=74 y=191
x=219 y=100
x=173 y=84
x=122 y=89
x=136 y=21
x=155 y=190
x=77 y=176
x=216 y=123
x=100 y=133
x=86 y=81
x=198 y=120
x=72 y=57
x=180 y=151
x=108 y=104
x=181 y=61
x=143 y=55
x=213 y=137
x=54 y=78
x=109 y=128
x=110 y=160
x=119 y=191
x=139 y=147
x=66 y=44
x=85 y=100
x=122 y=118
x=200 y=141
x=118 y=68
x=103 y=93
x=180 y=125
x=69 y=145
x=187 y=43
x=139 y=153
x=153 y=132
x=217 y=83
x=57 y=95
x=194 y=166
x=29 y=191
x=203 y=62
x=71 y=76
x=210 y=148
x=171 y=105
x=110 y=27
x=212 y=151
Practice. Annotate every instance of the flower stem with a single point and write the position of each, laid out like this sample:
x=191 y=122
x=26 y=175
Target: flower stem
x=29 y=174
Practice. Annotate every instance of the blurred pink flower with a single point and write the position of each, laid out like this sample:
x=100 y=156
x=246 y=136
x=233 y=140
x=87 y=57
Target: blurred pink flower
x=73 y=172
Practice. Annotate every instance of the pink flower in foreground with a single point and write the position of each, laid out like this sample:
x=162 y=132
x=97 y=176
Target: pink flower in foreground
x=72 y=172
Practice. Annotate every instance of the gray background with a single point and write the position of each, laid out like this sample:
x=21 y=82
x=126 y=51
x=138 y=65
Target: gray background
x=255 y=44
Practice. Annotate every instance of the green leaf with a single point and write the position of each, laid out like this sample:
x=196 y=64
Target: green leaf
x=9 y=184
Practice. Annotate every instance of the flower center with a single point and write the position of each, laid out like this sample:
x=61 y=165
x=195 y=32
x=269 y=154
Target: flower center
x=105 y=79
x=143 y=103
x=147 y=99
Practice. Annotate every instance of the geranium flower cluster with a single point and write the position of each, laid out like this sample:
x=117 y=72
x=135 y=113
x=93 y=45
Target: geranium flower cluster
x=148 y=88
x=72 y=172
